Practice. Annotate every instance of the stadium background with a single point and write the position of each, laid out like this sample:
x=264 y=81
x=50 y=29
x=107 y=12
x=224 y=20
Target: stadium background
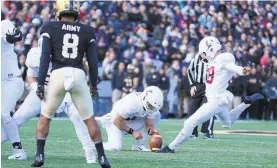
x=159 y=39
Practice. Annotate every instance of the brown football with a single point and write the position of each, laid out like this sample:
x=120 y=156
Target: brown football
x=155 y=142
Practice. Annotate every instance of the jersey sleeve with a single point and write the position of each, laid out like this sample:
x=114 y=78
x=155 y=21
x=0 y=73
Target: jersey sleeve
x=128 y=108
x=92 y=58
x=228 y=61
x=45 y=30
x=227 y=58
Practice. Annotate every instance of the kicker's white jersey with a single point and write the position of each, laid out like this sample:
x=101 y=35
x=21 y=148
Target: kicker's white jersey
x=9 y=60
x=130 y=107
x=220 y=71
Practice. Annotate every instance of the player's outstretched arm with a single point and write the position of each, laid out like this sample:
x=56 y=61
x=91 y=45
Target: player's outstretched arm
x=237 y=69
x=92 y=62
x=46 y=50
x=228 y=62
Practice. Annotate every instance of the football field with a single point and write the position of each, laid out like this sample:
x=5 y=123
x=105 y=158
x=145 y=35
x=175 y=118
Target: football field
x=226 y=150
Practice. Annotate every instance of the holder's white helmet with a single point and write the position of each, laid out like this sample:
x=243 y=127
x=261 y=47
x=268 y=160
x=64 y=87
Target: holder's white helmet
x=152 y=99
x=208 y=47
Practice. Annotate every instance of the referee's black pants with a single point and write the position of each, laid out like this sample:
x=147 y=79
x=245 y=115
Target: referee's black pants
x=196 y=101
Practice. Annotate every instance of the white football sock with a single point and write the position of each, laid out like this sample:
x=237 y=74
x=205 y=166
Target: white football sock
x=236 y=112
x=183 y=136
x=4 y=137
x=82 y=133
x=10 y=128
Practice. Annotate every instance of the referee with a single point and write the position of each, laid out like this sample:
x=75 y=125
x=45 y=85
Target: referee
x=197 y=72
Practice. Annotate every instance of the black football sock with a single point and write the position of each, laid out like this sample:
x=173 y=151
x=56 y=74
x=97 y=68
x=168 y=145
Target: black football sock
x=40 y=146
x=100 y=149
x=17 y=145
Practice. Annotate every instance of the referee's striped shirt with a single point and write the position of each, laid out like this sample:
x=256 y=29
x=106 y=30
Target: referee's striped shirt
x=197 y=71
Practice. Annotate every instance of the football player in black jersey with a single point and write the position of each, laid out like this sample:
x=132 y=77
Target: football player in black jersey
x=67 y=41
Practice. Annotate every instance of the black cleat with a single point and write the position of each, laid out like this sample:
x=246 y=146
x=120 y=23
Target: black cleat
x=103 y=161
x=39 y=161
x=165 y=149
x=251 y=99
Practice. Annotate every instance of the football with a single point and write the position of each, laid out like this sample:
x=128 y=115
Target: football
x=155 y=142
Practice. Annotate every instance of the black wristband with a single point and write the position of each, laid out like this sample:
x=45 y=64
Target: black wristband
x=149 y=131
x=130 y=131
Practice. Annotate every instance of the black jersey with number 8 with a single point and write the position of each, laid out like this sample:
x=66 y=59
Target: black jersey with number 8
x=69 y=42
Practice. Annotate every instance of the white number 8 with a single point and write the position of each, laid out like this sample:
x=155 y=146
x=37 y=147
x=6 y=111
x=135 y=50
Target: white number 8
x=70 y=41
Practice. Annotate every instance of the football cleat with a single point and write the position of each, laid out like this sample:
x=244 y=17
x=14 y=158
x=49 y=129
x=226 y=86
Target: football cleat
x=194 y=136
x=18 y=154
x=39 y=161
x=165 y=149
x=208 y=136
x=103 y=161
x=251 y=99
x=90 y=157
x=141 y=148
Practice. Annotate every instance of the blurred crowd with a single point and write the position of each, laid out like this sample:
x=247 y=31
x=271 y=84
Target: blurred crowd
x=151 y=43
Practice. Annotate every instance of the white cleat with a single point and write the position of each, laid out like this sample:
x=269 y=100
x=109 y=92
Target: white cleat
x=18 y=154
x=140 y=148
x=91 y=157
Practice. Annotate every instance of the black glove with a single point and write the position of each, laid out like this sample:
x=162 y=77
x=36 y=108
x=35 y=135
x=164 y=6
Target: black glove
x=94 y=93
x=14 y=36
x=40 y=91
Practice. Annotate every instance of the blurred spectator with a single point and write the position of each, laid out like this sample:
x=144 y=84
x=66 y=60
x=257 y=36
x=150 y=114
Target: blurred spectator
x=236 y=87
x=130 y=80
x=23 y=68
x=117 y=82
x=108 y=65
x=265 y=58
x=164 y=86
x=138 y=73
x=253 y=85
x=270 y=90
x=183 y=93
x=153 y=78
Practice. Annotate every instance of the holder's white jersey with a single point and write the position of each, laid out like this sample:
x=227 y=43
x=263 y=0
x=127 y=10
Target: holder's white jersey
x=220 y=71
x=33 y=61
x=131 y=107
x=9 y=62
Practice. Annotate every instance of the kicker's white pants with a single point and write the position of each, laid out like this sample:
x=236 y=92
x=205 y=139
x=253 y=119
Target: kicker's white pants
x=11 y=91
x=217 y=107
x=115 y=135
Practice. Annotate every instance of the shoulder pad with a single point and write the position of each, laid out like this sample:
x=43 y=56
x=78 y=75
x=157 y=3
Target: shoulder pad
x=33 y=57
x=226 y=58
x=46 y=28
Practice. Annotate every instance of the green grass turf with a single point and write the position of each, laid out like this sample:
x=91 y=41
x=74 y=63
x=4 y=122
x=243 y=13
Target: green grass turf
x=64 y=150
